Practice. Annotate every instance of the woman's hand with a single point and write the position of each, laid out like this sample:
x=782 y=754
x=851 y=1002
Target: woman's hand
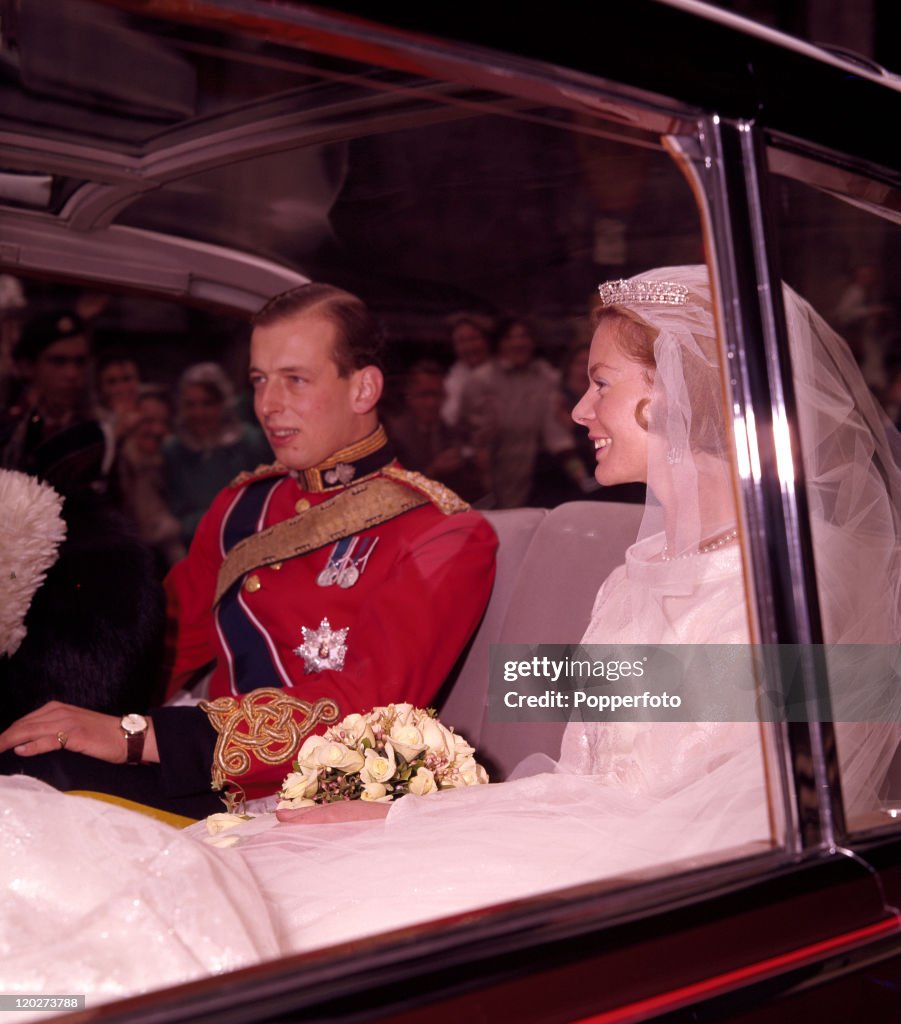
x=330 y=814
x=57 y=726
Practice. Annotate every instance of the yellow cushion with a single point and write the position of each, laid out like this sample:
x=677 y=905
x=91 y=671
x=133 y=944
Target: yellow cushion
x=175 y=820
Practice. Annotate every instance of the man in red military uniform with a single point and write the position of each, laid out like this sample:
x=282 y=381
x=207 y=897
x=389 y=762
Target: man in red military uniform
x=328 y=583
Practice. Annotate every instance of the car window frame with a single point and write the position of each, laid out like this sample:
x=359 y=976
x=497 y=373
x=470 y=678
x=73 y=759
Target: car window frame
x=727 y=156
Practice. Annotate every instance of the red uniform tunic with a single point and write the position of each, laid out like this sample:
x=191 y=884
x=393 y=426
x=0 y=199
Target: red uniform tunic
x=408 y=616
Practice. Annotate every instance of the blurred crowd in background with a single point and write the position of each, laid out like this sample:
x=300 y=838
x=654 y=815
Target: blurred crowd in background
x=484 y=410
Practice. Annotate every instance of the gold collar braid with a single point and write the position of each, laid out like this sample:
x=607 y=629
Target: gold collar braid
x=315 y=478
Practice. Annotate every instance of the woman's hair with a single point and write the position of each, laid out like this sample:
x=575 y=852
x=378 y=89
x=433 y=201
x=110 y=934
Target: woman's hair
x=156 y=392
x=212 y=378
x=359 y=341
x=478 y=321
x=214 y=381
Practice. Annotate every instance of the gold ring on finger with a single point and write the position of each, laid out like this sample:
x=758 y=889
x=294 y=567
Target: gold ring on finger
x=62 y=738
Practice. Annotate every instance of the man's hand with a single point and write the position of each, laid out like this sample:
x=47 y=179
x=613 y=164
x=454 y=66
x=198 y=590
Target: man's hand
x=57 y=726
x=330 y=814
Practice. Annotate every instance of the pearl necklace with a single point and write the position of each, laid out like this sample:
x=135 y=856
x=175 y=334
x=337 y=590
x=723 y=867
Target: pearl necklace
x=703 y=549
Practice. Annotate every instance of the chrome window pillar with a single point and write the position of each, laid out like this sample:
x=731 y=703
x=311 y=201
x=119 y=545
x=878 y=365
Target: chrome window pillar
x=725 y=163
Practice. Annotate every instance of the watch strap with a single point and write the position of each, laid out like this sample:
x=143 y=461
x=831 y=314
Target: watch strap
x=134 y=740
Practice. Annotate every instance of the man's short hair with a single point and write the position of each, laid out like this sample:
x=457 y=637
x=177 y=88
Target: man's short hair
x=424 y=368
x=359 y=340
x=113 y=357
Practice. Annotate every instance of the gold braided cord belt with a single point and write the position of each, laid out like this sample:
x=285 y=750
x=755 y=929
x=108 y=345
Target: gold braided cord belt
x=268 y=725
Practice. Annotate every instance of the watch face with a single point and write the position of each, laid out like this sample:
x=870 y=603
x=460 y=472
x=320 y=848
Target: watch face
x=134 y=723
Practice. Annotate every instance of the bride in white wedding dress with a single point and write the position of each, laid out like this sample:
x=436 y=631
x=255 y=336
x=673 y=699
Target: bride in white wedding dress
x=623 y=798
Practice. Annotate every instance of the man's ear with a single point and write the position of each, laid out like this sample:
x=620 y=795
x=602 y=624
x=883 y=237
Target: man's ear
x=368 y=386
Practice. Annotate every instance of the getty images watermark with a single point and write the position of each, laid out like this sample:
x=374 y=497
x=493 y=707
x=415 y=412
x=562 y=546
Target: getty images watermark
x=693 y=682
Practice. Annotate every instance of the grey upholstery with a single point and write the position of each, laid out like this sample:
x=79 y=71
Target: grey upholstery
x=550 y=565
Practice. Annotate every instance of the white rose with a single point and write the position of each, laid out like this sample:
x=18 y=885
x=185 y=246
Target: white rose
x=356 y=729
x=377 y=716
x=402 y=714
x=423 y=782
x=378 y=767
x=437 y=738
x=306 y=756
x=337 y=755
x=463 y=764
x=300 y=785
x=375 y=792
x=299 y=801
x=217 y=823
x=407 y=741
x=475 y=776
x=461 y=747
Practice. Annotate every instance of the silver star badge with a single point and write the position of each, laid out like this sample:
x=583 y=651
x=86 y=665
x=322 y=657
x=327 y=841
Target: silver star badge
x=323 y=648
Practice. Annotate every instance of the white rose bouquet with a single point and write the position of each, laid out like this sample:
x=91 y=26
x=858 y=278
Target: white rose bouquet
x=380 y=756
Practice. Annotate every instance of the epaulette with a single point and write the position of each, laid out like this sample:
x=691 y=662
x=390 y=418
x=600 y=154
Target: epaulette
x=263 y=470
x=439 y=495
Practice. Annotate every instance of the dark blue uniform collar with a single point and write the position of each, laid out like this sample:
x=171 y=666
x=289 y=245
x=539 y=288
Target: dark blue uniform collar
x=349 y=464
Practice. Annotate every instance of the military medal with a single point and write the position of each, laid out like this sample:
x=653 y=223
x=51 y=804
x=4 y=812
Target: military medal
x=323 y=648
x=348 y=576
x=336 y=562
x=351 y=572
x=342 y=568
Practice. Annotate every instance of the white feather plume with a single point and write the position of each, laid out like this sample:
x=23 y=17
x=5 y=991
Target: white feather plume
x=31 y=531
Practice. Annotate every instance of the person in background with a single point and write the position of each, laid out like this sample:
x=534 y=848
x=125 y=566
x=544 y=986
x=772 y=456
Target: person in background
x=118 y=381
x=55 y=433
x=142 y=478
x=210 y=447
x=510 y=411
x=12 y=312
x=471 y=341
x=425 y=442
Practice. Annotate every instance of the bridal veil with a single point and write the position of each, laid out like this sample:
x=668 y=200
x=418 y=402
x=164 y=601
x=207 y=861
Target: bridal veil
x=678 y=586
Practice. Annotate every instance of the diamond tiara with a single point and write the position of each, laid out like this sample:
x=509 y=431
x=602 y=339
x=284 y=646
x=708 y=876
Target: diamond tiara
x=627 y=293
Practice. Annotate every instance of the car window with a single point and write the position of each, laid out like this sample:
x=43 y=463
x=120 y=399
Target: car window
x=837 y=243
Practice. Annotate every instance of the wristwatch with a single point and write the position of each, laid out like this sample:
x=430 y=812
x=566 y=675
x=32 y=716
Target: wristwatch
x=135 y=729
